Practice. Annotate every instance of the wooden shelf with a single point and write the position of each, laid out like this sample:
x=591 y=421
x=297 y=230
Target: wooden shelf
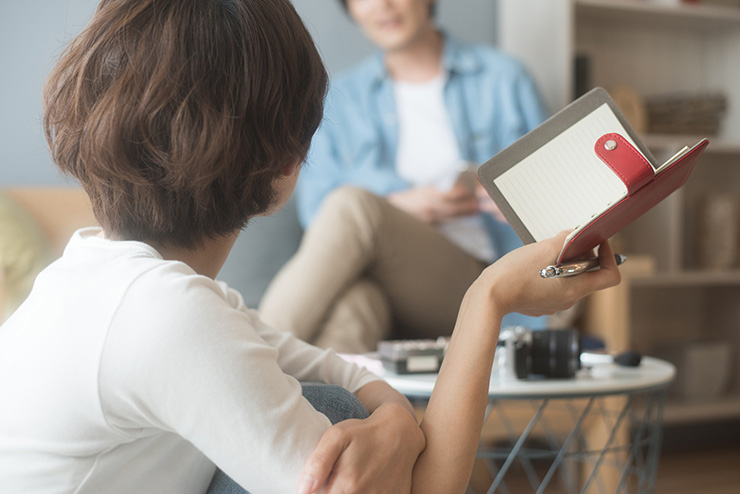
x=701 y=411
x=657 y=50
x=689 y=278
x=695 y=17
x=717 y=145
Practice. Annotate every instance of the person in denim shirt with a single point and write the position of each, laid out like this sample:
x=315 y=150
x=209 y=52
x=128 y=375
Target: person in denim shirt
x=391 y=237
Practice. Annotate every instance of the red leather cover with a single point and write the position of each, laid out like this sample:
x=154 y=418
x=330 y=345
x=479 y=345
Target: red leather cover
x=626 y=161
x=631 y=207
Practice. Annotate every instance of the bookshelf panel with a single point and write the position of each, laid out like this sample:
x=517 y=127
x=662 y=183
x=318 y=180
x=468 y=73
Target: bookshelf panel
x=656 y=50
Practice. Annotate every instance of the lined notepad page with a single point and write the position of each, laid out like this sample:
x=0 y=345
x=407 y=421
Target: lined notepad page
x=564 y=184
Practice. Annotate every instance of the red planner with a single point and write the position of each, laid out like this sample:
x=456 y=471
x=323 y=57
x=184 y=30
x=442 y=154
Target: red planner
x=584 y=169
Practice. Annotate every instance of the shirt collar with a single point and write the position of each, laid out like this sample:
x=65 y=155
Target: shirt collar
x=455 y=59
x=376 y=70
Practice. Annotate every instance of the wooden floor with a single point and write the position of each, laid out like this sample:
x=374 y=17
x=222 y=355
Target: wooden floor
x=704 y=471
x=695 y=459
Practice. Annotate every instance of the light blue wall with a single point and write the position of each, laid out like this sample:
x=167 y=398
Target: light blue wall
x=341 y=44
x=33 y=33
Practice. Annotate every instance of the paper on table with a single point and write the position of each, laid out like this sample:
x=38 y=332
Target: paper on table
x=563 y=184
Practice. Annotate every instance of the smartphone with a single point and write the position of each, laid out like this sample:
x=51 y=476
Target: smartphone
x=468 y=177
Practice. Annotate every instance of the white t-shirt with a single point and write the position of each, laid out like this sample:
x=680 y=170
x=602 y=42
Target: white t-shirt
x=126 y=374
x=428 y=154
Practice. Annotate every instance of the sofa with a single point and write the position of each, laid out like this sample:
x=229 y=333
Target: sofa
x=36 y=223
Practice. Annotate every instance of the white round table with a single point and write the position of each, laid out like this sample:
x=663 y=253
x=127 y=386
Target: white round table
x=602 y=379
x=605 y=435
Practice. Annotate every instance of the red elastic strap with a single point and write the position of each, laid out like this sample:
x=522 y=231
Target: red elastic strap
x=627 y=162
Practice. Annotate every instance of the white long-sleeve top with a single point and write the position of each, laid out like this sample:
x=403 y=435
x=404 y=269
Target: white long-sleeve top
x=125 y=373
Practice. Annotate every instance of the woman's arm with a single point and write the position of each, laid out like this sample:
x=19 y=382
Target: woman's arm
x=454 y=417
x=376 y=455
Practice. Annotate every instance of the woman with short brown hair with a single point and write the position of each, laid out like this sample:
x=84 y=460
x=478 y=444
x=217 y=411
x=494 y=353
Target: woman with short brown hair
x=129 y=368
x=144 y=106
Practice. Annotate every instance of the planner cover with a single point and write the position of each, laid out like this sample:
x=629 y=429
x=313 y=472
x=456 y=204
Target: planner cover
x=584 y=169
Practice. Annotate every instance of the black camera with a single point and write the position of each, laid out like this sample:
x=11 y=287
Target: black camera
x=523 y=353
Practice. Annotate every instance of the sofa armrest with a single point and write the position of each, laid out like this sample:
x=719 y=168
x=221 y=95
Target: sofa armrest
x=57 y=211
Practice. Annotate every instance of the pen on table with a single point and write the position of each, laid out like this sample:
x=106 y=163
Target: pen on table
x=576 y=267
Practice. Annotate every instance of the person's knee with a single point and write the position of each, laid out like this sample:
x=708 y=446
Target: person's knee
x=223 y=484
x=351 y=196
x=355 y=207
x=335 y=402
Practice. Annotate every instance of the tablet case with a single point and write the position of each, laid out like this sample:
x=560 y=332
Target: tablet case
x=633 y=165
x=642 y=196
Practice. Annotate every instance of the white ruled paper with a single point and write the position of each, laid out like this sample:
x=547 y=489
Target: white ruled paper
x=563 y=184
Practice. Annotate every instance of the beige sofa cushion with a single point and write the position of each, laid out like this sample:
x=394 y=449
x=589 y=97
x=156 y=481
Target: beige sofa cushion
x=35 y=225
x=23 y=254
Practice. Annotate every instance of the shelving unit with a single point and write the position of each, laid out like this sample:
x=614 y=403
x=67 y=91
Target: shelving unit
x=667 y=296
x=718 y=409
x=719 y=146
x=688 y=16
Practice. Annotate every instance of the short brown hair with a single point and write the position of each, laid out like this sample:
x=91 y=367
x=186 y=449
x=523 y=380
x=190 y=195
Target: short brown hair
x=177 y=116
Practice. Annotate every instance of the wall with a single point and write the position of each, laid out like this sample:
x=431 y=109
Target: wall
x=32 y=34
x=341 y=44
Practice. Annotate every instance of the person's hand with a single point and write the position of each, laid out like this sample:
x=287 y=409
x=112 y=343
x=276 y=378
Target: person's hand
x=375 y=455
x=431 y=205
x=514 y=284
x=486 y=204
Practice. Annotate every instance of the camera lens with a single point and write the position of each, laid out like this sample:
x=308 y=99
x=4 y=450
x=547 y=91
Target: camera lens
x=556 y=352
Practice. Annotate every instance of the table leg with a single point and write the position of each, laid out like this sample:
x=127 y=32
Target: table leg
x=517 y=447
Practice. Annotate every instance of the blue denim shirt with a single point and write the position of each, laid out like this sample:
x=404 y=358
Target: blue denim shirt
x=491 y=101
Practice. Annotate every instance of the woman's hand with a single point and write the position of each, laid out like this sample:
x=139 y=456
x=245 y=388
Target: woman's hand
x=431 y=205
x=514 y=284
x=375 y=455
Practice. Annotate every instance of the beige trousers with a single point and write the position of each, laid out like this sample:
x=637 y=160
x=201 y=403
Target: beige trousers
x=367 y=271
